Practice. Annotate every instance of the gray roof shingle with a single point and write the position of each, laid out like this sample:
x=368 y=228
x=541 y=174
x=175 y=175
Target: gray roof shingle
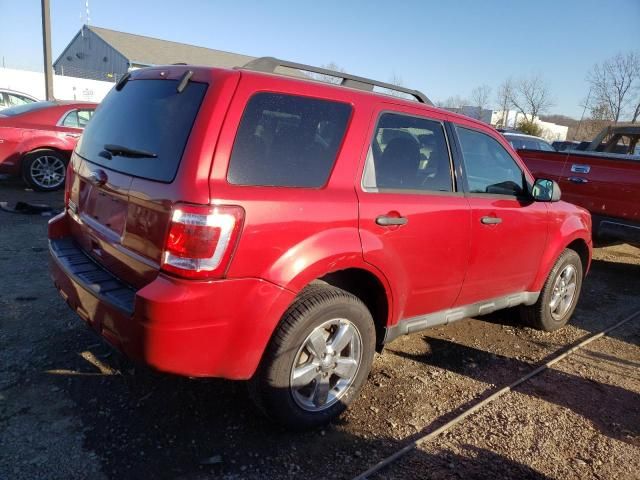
x=153 y=51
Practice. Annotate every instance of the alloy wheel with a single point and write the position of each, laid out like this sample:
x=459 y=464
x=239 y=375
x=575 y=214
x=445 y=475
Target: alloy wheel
x=564 y=292
x=326 y=365
x=47 y=171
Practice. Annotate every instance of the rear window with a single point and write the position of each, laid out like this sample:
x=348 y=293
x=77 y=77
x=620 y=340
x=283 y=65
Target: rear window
x=146 y=115
x=287 y=141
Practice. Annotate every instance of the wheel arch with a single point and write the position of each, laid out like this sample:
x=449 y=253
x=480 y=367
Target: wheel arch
x=44 y=142
x=580 y=242
x=65 y=153
x=582 y=249
x=367 y=287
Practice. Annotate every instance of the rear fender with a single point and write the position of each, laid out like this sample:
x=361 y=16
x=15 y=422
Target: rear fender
x=51 y=142
x=323 y=253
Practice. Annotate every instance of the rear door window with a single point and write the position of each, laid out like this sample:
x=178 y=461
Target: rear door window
x=148 y=116
x=408 y=153
x=77 y=118
x=287 y=141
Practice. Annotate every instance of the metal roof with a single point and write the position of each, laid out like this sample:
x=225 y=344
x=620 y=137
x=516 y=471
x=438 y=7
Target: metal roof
x=153 y=51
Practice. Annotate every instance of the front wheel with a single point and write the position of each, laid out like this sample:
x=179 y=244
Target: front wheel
x=559 y=296
x=44 y=170
x=317 y=360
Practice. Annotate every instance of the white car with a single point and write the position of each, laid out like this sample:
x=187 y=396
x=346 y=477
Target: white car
x=10 y=98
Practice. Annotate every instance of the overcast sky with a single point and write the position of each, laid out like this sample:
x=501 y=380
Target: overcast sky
x=442 y=48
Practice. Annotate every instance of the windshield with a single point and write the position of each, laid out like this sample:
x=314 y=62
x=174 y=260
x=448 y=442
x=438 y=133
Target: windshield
x=148 y=116
x=27 y=107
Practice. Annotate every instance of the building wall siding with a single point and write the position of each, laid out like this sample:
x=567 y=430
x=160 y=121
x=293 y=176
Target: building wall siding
x=88 y=56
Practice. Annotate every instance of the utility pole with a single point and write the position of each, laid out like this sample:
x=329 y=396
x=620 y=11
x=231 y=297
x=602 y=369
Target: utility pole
x=46 y=47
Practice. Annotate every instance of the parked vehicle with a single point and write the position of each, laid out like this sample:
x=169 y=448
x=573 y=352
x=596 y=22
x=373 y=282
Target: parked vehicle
x=621 y=138
x=562 y=145
x=36 y=140
x=249 y=225
x=605 y=183
x=522 y=141
x=11 y=98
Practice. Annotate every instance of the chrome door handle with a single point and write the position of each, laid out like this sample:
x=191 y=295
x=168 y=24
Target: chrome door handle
x=576 y=168
x=386 y=221
x=490 y=220
x=578 y=180
x=72 y=135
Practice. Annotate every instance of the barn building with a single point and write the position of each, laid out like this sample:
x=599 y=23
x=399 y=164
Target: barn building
x=102 y=54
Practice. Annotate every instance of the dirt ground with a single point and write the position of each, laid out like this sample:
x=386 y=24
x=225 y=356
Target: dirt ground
x=70 y=407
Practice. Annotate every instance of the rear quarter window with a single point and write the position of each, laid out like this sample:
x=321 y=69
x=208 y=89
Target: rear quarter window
x=146 y=115
x=287 y=141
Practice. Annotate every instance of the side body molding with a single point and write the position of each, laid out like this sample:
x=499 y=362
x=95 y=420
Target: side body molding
x=445 y=317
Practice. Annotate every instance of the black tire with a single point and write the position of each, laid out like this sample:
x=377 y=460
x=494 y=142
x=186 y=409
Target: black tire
x=58 y=163
x=539 y=315
x=271 y=388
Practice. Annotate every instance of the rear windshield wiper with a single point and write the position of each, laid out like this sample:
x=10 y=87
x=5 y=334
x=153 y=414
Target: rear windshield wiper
x=122 y=151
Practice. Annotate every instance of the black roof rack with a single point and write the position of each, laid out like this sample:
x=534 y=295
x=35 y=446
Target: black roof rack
x=270 y=64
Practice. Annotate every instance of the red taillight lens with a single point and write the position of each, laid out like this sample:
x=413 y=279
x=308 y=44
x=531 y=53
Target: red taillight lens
x=201 y=240
x=68 y=180
x=194 y=241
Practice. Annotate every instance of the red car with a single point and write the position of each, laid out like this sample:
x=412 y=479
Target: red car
x=36 y=140
x=249 y=225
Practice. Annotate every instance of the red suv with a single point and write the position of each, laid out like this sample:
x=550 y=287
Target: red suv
x=248 y=225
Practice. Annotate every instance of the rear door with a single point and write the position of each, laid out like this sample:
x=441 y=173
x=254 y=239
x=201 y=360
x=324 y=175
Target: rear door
x=128 y=168
x=508 y=229
x=414 y=224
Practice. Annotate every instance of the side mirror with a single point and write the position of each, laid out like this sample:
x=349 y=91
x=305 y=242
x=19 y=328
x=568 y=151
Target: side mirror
x=545 y=190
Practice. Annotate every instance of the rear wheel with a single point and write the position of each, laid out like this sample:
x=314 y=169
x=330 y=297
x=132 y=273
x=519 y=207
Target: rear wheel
x=318 y=359
x=44 y=170
x=559 y=296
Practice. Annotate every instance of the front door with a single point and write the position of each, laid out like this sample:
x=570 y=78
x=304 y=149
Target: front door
x=508 y=229
x=414 y=225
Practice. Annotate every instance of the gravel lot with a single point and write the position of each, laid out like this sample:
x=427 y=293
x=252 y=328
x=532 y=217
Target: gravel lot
x=70 y=407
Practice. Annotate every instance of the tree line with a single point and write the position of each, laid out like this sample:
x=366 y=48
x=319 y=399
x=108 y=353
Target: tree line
x=613 y=97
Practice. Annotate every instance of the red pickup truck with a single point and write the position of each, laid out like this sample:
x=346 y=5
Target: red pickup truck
x=604 y=179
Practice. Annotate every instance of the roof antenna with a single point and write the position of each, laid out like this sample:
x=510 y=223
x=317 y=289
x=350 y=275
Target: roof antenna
x=85 y=18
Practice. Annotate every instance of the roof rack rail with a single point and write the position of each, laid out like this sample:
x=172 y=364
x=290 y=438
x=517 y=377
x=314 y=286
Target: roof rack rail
x=270 y=64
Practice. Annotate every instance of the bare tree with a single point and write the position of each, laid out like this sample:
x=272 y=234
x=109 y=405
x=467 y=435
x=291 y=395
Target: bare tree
x=503 y=99
x=531 y=97
x=601 y=111
x=612 y=83
x=480 y=99
x=455 y=102
x=321 y=77
x=636 y=113
x=398 y=82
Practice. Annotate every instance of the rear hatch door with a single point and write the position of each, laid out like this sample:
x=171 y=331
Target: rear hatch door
x=127 y=170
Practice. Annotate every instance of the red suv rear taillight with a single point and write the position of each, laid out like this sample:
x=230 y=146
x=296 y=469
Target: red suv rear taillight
x=201 y=240
x=68 y=180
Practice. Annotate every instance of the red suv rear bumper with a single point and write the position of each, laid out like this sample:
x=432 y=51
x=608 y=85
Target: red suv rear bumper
x=193 y=328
